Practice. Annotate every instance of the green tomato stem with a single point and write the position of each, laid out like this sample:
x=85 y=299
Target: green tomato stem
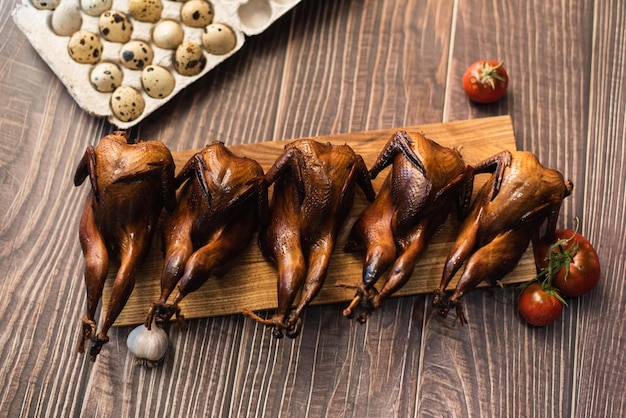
x=558 y=258
x=488 y=73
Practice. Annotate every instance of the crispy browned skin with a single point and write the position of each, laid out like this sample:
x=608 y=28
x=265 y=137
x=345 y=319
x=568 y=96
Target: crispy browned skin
x=214 y=220
x=423 y=186
x=507 y=212
x=313 y=194
x=131 y=183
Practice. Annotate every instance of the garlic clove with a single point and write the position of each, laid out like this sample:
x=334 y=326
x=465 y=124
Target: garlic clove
x=148 y=345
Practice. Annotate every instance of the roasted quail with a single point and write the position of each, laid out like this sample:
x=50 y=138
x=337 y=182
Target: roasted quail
x=508 y=211
x=313 y=194
x=130 y=185
x=214 y=220
x=426 y=182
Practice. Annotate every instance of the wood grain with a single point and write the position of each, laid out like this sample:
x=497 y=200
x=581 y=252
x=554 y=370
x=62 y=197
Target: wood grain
x=251 y=283
x=599 y=353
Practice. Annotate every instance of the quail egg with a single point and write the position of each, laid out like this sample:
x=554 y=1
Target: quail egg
x=66 y=19
x=218 y=39
x=85 y=47
x=196 y=13
x=167 y=34
x=189 y=59
x=95 y=7
x=115 y=26
x=157 y=81
x=127 y=103
x=136 y=55
x=46 y=4
x=145 y=10
x=105 y=77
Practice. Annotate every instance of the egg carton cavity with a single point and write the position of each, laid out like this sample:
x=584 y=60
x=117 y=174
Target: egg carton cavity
x=123 y=59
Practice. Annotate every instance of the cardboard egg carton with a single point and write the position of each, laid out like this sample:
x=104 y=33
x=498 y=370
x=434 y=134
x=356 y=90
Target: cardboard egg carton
x=244 y=17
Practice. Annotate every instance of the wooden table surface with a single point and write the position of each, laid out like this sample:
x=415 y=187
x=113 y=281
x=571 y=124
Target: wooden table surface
x=332 y=67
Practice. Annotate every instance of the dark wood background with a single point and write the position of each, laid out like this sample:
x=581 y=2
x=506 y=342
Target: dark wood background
x=332 y=67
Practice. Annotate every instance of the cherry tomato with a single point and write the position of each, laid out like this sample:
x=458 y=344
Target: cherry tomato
x=540 y=306
x=572 y=252
x=485 y=81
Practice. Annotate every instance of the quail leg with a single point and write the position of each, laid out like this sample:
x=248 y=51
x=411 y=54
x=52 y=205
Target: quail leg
x=212 y=258
x=179 y=249
x=319 y=260
x=96 y=268
x=122 y=287
x=491 y=262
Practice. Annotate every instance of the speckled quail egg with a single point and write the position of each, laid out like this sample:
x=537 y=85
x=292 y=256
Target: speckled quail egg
x=157 y=81
x=167 y=34
x=46 y=4
x=218 y=39
x=85 y=47
x=115 y=26
x=127 y=103
x=196 y=13
x=145 y=10
x=136 y=55
x=189 y=59
x=66 y=19
x=105 y=77
x=95 y=7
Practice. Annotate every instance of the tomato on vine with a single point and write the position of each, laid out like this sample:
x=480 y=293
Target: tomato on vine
x=568 y=266
x=485 y=81
x=540 y=305
x=571 y=261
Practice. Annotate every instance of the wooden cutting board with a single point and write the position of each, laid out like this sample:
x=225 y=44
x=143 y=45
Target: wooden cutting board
x=252 y=281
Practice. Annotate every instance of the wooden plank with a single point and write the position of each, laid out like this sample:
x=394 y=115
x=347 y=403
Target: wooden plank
x=600 y=327
x=251 y=283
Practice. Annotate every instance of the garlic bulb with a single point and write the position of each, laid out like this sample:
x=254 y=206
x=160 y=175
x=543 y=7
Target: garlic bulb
x=148 y=345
